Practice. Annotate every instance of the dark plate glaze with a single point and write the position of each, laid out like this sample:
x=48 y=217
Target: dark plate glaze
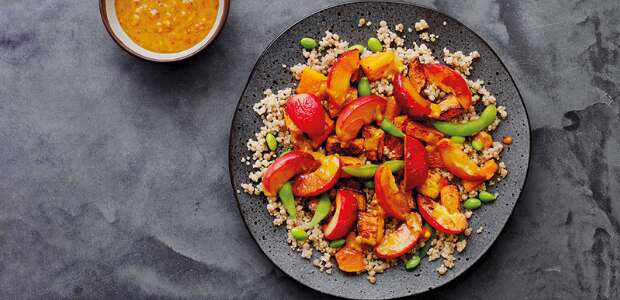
x=269 y=73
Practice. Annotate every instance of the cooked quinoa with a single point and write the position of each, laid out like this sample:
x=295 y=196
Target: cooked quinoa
x=421 y=25
x=429 y=37
x=460 y=61
x=444 y=247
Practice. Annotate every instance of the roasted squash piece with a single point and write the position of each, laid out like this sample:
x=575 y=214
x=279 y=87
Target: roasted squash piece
x=433 y=157
x=312 y=82
x=353 y=148
x=416 y=75
x=373 y=142
x=394 y=147
x=392 y=109
x=361 y=199
x=300 y=142
x=370 y=225
x=350 y=258
x=470 y=186
x=450 y=198
x=485 y=138
x=422 y=132
x=381 y=65
x=433 y=184
x=401 y=122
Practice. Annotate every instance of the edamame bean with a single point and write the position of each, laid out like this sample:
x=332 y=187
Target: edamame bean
x=369 y=184
x=391 y=129
x=308 y=43
x=374 y=45
x=458 y=139
x=472 y=203
x=470 y=128
x=288 y=201
x=336 y=243
x=359 y=47
x=299 y=234
x=477 y=144
x=272 y=143
x=321 y=211
x=486 y=197
x=368 y=170
x=363 y=87
x=413 y=262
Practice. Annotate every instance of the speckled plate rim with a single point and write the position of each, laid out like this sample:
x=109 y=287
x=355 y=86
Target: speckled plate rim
x=488 y=245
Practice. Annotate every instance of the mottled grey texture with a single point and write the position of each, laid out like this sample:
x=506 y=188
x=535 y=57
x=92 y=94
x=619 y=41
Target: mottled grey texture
x=114 y=178
x=397 y=282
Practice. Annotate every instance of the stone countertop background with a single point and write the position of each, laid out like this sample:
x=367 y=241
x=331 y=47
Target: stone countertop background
x=114 y=179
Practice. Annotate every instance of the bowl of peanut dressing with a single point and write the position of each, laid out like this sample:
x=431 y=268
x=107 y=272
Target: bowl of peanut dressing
x=164 y=30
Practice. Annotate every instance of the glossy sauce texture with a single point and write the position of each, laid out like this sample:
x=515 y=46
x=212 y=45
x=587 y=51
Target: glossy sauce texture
x=166 y=26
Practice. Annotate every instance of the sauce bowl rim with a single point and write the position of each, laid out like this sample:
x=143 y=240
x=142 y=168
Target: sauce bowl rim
x=218 y=25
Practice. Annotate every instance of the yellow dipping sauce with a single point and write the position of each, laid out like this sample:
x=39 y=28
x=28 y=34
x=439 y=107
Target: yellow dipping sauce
x=166 y=26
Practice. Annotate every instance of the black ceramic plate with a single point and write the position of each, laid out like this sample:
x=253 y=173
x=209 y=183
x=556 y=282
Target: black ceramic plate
x=269 y=73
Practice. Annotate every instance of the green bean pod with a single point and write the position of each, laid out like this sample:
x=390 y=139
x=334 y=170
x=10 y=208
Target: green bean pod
x=395 y=165
x=288 y=200
x=368 y=170
x=364 y=171
x=470 y=128
x=391 y=129
x=457 y=139
x=363 y=87
x=321 y=211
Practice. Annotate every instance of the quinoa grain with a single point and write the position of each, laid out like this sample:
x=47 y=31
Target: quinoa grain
x=361 y=22
x=421 y=25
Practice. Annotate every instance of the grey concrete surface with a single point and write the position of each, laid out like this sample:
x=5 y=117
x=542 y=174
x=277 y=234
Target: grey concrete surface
x=114 y=179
